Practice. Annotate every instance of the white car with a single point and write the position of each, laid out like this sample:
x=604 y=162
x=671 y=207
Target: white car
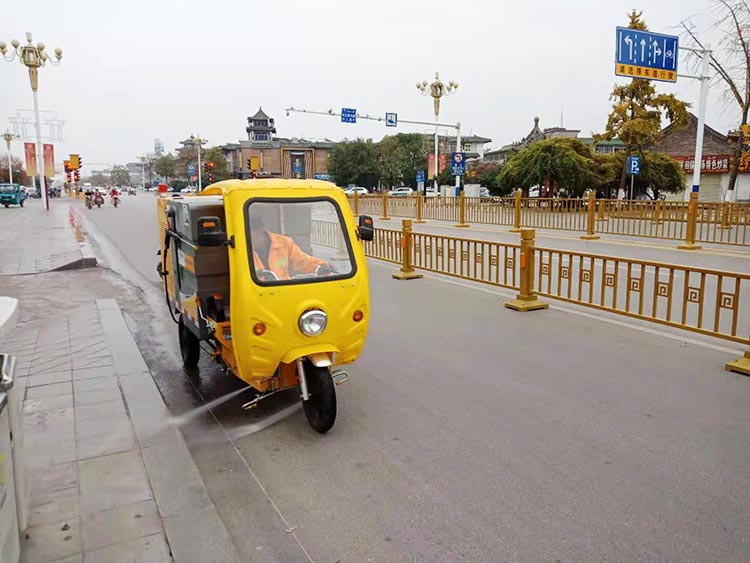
x=401 y=192
x=356 y=190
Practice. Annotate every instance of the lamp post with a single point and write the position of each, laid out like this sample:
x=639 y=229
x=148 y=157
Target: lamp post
x=8 y=136
x=198 y=142
x=33 y=57
x=437 y=90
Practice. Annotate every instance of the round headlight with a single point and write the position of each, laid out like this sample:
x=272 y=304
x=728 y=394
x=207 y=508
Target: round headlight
x=313 y=322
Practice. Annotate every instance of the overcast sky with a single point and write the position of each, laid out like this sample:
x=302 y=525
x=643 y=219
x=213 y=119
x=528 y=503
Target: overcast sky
x=137 y=70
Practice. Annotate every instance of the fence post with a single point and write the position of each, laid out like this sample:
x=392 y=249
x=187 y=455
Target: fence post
x=385 y=207
x=657 y=213
x=602 y=205
x=517 y=211
x=462 y=210
x=691 y=223
x=591 y=217
x=419 y=208
x=407 y=271
x=356 y=204
x=740 y=365
x=726 y=213
x=526 y=300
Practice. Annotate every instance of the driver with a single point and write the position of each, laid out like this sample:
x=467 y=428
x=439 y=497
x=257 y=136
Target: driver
x=279 y=253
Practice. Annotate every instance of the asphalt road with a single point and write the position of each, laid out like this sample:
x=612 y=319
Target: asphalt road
x=467 y=432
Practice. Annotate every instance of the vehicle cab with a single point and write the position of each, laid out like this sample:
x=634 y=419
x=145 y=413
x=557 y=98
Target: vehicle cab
x=12 y=194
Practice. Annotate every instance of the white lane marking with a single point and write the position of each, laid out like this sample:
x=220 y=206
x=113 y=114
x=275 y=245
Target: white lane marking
x=506 y=293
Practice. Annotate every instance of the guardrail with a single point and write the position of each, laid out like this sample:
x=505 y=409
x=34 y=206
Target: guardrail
x=710 y=302
x=692 y=221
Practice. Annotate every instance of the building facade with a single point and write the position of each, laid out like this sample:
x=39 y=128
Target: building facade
x=264 y=155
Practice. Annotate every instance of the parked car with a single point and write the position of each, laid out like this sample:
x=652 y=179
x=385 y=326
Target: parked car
x=484 y=192
x=401 y=192
x=356 y=190
x=12 y=194
x=431 y=192
x=534 y=191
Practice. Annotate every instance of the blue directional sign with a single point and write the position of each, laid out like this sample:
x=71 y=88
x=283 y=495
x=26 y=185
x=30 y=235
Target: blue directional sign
x=391 y=120
x=191 y=169
x=420 y=176
x=348 y=115
x=642 y=54
x=458 y=163
x=634 y=165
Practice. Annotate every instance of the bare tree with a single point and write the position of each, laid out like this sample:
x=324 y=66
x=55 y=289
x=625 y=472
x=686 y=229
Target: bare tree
x=731 y=61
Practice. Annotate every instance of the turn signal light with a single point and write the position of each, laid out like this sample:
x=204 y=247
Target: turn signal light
x=259 y=329
x=358 y=316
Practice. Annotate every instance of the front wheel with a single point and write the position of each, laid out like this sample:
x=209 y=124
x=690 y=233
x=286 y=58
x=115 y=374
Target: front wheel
x=320 y=408
x=7 y=205
x=190 y=347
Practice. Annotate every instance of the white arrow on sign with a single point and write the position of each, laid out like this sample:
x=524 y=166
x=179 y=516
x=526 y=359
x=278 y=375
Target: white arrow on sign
x=657 y=51
x=643 y=49
x=629 y=41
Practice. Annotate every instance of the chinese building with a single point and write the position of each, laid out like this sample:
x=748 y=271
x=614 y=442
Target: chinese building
x=264 y=154
x=716 y=161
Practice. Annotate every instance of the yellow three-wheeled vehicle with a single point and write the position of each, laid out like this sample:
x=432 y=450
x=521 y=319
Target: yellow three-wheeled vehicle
x=269 y=277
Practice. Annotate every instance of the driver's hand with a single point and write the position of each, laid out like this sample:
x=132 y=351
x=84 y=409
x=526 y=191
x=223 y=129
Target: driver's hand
x=325 y=270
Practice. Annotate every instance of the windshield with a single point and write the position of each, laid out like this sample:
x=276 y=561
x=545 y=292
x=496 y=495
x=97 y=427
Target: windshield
x=297 y=241
x=7 y=188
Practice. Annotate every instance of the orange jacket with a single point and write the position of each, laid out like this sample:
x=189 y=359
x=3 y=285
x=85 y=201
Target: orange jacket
x=284 y=256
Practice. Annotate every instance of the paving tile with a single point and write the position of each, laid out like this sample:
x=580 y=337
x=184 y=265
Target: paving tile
x=47 y=480
x=97 y=396
x=77 y=558
x=48 y=403
x=114 y=440
x=52 y=423
x=120 y=524
x=51 y=366
x=43 y=456
x=51 y=541
x=200 y=535
x=95 y=384
x=87 y=373
x=59 y=505
x=151 y=549
x=49 y=377
x=94 y=362
x=99 y=412
x=51 y=390
x=109 y=481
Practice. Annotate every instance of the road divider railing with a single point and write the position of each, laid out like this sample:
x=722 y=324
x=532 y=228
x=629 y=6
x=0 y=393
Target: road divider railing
x=692 y=222
x=710 y=302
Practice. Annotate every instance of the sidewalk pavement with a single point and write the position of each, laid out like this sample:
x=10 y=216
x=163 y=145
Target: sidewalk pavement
x=111 y=478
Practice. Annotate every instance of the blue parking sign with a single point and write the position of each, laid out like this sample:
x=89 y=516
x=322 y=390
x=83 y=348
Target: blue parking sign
x=420 y=176
x=634 y=165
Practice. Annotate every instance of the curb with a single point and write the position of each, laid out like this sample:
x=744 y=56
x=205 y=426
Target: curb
x=191 y=522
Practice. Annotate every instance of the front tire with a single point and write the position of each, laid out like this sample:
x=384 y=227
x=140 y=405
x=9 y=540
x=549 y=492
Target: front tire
x=320 y=408
x=190 y=348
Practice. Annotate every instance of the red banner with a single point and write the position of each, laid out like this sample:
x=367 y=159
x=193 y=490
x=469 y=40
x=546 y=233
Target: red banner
x=713 y=164
x=30 y=150
x=49 y=160
x=442 y=161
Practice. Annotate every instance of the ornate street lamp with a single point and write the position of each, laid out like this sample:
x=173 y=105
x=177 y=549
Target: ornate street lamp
x=33 y=57
x=198 y=142
x=437 y=90
x=8 y=137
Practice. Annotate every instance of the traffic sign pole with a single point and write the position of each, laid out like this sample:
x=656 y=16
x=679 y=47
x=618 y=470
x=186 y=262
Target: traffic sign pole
x=704 y=78
x=459 y=150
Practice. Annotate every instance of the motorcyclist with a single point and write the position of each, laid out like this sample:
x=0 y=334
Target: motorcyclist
x=113 y=193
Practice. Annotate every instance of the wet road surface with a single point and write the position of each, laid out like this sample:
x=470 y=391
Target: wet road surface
x=467 y=432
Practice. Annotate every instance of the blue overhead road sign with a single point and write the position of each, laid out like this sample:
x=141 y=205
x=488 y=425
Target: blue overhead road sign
x=634 y=165
x=420 y=176
x=642 y=54
x=391 y=120
x=191 y=168
x=348 y=115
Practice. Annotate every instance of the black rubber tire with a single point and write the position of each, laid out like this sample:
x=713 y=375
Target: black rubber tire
x=320 y=408
x=190 y=347
x=98 y=205
x=7 y=205
x=115 y=203
x=21 y=203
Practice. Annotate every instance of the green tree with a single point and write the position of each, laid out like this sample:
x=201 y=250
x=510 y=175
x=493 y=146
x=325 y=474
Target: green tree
x=731 y=62
x=120 y=176
x=413 y=156
x=660 y=173
x=216 y=155
x=97 y=179
x=354 y=162
x=637 y=111
x=19 y=172
x=566 y=164
x=390 y=156
x=165 y=166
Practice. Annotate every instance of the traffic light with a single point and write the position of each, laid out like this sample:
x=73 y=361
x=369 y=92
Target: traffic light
x=66 y=164
x=77 y=175
x=75 y=162
x=210 y=171
x=249 y=163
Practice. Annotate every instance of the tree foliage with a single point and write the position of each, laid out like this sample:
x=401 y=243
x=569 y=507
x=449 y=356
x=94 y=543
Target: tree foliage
x=390 y=156
x=567 y=164
x=487 y=174
x=165 y=166
x=119 y=176
x=354 y=162
x=730 y=61
x=19 y=172
x=216 y=155
x=637 y=110
x=413 y=156
x=660 y=173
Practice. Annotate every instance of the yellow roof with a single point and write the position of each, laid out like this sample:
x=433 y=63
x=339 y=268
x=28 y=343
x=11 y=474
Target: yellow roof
x=227 y=186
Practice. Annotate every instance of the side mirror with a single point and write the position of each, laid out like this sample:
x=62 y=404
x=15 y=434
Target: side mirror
x=210 y=233
x=366 y=228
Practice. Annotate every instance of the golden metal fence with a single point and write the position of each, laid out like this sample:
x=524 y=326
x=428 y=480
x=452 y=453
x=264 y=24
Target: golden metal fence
x=717 y=223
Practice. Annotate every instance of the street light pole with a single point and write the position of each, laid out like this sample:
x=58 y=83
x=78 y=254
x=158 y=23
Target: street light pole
x=34 y=57
x=8 y=136
x=198 y=142
x=437 y=90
